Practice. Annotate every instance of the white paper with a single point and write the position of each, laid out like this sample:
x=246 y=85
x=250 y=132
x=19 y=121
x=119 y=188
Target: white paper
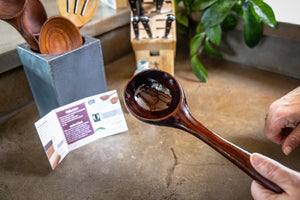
x=79 y=123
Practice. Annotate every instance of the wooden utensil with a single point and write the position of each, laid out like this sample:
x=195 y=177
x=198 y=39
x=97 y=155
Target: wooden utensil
x=156 y=97
x=78 y=11
x=59 y=35
x=13 y=12
x=105 y=97
x=35 y=16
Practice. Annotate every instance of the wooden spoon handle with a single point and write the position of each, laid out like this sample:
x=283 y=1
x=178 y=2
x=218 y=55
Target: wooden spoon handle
x=18 y=24
x=241 y=158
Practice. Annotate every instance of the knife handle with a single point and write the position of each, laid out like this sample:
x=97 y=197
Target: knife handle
x=159 y=4
x=145 y=21
x=133 y=6
x=141 y=8
x=135 y=23
x=169 y=19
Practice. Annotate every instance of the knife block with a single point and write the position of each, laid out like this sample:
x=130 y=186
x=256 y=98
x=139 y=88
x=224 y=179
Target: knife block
x=159 y=52
x=56 y=80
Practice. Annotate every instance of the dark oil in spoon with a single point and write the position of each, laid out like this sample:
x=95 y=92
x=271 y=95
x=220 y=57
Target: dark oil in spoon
x=153 y=96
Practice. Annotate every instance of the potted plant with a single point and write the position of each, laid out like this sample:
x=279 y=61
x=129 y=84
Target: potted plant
x=218 y=16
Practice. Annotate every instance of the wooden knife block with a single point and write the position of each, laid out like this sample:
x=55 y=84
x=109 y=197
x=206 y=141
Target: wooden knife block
x=159 y=52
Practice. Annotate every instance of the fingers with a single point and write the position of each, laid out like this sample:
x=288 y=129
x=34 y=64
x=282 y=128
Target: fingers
x=258 y=192
x=281 y=114
x=275 y=121
x=291 y=141
x=271 y=170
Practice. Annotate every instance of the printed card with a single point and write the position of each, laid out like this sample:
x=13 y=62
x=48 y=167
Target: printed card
x=71 y=126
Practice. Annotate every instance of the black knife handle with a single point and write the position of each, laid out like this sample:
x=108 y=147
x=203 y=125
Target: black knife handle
x=169 y=19
x=159 y=4
x=145 y=21
x=133 y=6
x=141 y=8
x=135 y=23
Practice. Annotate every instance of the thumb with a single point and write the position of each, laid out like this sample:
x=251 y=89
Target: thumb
x=258 y=192
x=271 y=169
x=291 y=141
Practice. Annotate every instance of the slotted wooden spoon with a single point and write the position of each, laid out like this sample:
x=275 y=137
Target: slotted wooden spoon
x=78 y=11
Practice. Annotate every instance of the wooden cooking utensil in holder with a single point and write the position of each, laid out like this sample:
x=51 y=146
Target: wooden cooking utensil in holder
x=79 y=12
x=158 y=51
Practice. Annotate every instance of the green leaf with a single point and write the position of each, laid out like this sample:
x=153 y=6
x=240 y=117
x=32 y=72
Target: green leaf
x=188 y=5
x=252 y=28
x=199 y=28
x=238 y=9
x=195 y=43
x=209 y=49
x=229 y=23
x=216 y=13
x=181 y=29
x=176 y=2
x=183 y=19
x=202 y=4
x=214 y=34
x=198 y=69
x=263 y=12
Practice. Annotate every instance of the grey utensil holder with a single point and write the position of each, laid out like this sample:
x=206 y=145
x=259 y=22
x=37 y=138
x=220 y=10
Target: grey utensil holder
x=56 y=80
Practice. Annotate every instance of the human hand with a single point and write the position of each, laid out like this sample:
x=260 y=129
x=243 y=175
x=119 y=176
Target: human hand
x=287 y=179
x=284 y=111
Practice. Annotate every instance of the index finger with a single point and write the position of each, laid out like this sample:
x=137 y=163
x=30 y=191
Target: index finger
x=275 y=121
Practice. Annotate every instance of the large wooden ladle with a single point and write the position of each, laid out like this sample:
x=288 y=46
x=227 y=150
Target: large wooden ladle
x=178 y=115
x=26 y=16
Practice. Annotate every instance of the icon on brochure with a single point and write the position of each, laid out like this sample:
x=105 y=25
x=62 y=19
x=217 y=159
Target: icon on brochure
x=96 y=117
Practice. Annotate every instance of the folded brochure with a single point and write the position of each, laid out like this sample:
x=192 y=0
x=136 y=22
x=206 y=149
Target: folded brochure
x=79 y=123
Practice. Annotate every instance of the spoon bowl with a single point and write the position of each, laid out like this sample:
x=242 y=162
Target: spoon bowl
x=11 y=9
x=156 y=97
x=59 y=35
x=13 y=12
x=145 y=79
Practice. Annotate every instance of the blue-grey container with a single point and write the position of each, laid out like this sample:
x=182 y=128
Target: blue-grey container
x=56 y=80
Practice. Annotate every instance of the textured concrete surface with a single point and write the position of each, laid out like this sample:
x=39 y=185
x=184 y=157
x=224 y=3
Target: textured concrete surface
x=149 y=162
x=15 y=92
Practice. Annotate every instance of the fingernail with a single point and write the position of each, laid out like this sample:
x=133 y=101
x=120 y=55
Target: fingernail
x=256 y=159
x=287 y=150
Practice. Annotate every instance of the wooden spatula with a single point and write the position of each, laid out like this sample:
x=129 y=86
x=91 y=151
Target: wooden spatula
x=78 y=11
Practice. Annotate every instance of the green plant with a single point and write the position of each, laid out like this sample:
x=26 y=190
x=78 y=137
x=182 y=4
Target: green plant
x=218 y=16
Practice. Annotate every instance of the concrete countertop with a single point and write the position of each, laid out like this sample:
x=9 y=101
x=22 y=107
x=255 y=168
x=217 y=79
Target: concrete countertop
x=149 y=162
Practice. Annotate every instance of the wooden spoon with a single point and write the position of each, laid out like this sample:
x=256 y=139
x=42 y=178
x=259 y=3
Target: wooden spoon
x=78 y=11
x=35 y=16
x=105 y=97
x=13 y=12
x=157 y=98
x=59 y=35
